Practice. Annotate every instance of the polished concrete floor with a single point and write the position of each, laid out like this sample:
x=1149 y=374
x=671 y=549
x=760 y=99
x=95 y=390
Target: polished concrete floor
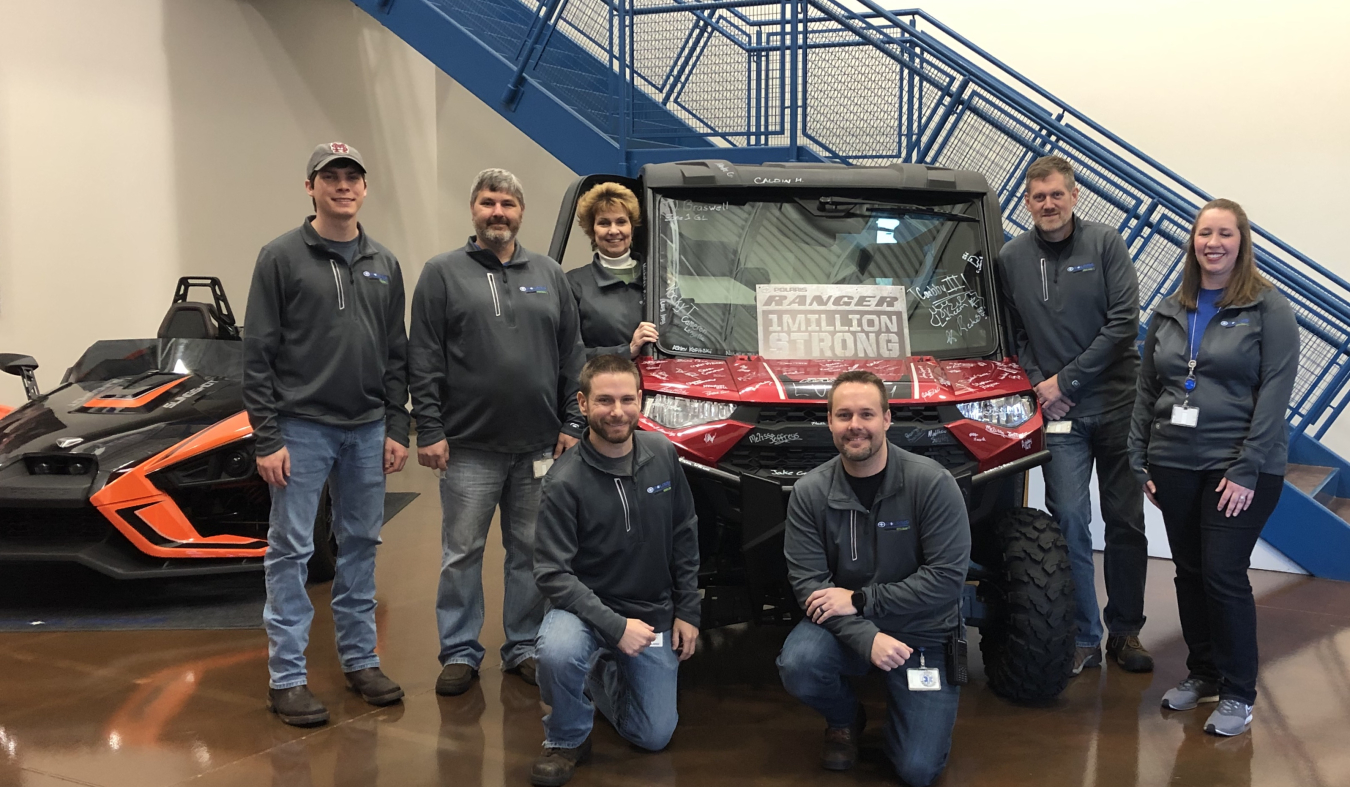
x=187 y=707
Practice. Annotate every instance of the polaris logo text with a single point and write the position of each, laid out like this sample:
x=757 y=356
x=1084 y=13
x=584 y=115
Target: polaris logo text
x=189 y=394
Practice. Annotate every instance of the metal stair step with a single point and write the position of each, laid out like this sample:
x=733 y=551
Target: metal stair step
x=1311 y=480
x=1340 y=506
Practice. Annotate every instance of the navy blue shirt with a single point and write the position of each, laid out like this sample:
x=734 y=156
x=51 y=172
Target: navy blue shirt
x=1206 y=306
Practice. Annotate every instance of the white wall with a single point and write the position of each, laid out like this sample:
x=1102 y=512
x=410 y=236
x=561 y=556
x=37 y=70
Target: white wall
x=147 y=139
x=1248 y=100
x=143 y=140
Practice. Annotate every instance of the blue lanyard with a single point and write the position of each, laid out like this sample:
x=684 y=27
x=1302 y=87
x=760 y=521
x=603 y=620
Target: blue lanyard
x=1189 y=384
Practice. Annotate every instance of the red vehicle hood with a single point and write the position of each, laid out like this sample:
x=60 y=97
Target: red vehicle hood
x=755 y=380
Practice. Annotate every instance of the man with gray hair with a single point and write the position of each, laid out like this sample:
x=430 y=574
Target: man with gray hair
x=494 y=357
x=1074 y=300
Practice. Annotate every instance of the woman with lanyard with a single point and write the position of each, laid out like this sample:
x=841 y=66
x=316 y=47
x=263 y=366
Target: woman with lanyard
x=1209 y=443
x=609 y=290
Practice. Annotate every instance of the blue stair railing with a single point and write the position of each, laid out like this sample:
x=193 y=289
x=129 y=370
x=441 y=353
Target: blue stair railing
x=610 y=85
x=764 y=80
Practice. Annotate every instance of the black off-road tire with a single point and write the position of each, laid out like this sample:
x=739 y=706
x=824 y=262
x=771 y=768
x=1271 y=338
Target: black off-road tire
x=1027 y=640
x=323 y=563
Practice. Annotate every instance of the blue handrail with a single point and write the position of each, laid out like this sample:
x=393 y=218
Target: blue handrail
x=871 y=85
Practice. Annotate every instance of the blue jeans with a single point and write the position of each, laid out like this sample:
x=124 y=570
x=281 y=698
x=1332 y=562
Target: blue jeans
x=354 y=460
x=1068 y=476
x=636 y=693
x=476 y=483
x=814 y=664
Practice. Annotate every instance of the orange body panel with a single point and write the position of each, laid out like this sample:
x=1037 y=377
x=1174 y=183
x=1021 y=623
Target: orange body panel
x=159 y=511
x=5 y=410
x=139 y=401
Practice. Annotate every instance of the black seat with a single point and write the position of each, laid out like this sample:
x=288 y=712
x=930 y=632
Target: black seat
x=189 y=320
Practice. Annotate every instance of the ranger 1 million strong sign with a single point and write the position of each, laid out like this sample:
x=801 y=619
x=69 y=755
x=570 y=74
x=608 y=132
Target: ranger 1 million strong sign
x=831 y=321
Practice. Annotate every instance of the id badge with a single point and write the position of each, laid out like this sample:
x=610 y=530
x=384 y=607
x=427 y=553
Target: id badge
x=541 y=466
x=1058 y=427
x=924 y=677
x=1185 y=416
x=659 y=641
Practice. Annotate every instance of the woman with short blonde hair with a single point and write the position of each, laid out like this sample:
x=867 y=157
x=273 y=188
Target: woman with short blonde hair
x=609 y=291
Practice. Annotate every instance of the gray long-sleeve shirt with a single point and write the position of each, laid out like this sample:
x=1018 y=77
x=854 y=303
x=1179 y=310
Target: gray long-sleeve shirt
x=494 y=352
x=1246 y=363
x=909 y=554
x=611 y=546
x=1075 y=314
x=324 y=339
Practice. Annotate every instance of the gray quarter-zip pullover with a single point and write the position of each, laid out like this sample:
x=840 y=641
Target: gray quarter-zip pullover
x=324 y=339
x=1246 y=363
x=909 y=554
x=494 y=352
x=609 y=308
x=610 y=545
x=1075 y=314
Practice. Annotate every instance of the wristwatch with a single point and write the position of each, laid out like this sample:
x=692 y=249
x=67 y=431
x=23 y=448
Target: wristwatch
x=859 y=601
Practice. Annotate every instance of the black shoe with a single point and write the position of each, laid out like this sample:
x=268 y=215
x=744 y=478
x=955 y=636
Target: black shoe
x=554 y=767
x=297 y=706
x=1129 y=653
x=374 y=687
x=455 y=679
x=528 y=670
x=841 y=744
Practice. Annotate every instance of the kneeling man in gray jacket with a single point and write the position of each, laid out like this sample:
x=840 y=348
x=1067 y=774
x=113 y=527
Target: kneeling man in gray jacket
x=616 y=555
x=877 y=548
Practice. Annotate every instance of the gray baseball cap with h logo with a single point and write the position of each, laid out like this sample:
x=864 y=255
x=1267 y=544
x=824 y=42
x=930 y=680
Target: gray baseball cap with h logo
x=329 y=152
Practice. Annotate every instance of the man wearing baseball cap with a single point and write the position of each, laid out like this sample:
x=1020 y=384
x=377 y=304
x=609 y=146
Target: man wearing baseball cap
x=325 y=387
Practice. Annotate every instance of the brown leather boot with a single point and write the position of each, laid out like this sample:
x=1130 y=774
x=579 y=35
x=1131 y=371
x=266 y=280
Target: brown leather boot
x=554 y=767
x=841 y=744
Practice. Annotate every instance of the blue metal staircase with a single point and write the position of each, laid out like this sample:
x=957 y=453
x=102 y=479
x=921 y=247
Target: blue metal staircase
x=609 y=85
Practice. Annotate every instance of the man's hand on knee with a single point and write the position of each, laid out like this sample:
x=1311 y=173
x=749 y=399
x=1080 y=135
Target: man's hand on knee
x=637 y=637
x=683 y=637
x=828 y=603
x=275 y=468
x=889 y=652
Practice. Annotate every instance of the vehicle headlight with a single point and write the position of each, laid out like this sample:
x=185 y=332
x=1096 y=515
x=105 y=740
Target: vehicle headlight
x=677 y=412
x=1010 y=411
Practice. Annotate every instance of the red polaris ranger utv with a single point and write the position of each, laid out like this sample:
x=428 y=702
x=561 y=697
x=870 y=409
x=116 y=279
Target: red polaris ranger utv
x=766 y=282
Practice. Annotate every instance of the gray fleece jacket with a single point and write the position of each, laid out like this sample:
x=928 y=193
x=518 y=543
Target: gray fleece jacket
x=1076 y=314
x=909 y=554
x=324 y=340
x=608 y=547
x=1245 y=367
x=494 y=352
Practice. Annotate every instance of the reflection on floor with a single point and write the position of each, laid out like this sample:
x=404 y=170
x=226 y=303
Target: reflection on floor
x=180 y=707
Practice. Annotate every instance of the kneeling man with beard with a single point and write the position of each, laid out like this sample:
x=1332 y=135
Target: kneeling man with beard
x=616 y=555
x=877 y=547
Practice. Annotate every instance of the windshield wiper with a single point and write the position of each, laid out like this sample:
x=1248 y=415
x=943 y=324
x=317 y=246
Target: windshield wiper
x=843 y=206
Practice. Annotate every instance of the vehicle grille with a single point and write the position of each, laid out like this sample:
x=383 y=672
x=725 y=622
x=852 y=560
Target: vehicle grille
x=808 y=414
x=790 y=462
x=52 y=525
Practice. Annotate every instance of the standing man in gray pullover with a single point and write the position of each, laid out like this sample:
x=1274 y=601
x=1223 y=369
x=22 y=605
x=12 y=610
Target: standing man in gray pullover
x=495 y=354
x=1074 y=297
x=325 y=387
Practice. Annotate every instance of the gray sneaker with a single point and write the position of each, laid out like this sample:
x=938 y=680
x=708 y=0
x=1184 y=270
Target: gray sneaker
x=1084 y=658
x=1232 y=717
x=1189 y=693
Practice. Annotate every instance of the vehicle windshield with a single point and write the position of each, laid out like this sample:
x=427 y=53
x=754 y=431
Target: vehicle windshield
x=718 y=262
x=112 y=358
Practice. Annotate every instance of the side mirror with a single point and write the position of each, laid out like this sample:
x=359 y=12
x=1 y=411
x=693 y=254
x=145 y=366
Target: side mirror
x=21 y=366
